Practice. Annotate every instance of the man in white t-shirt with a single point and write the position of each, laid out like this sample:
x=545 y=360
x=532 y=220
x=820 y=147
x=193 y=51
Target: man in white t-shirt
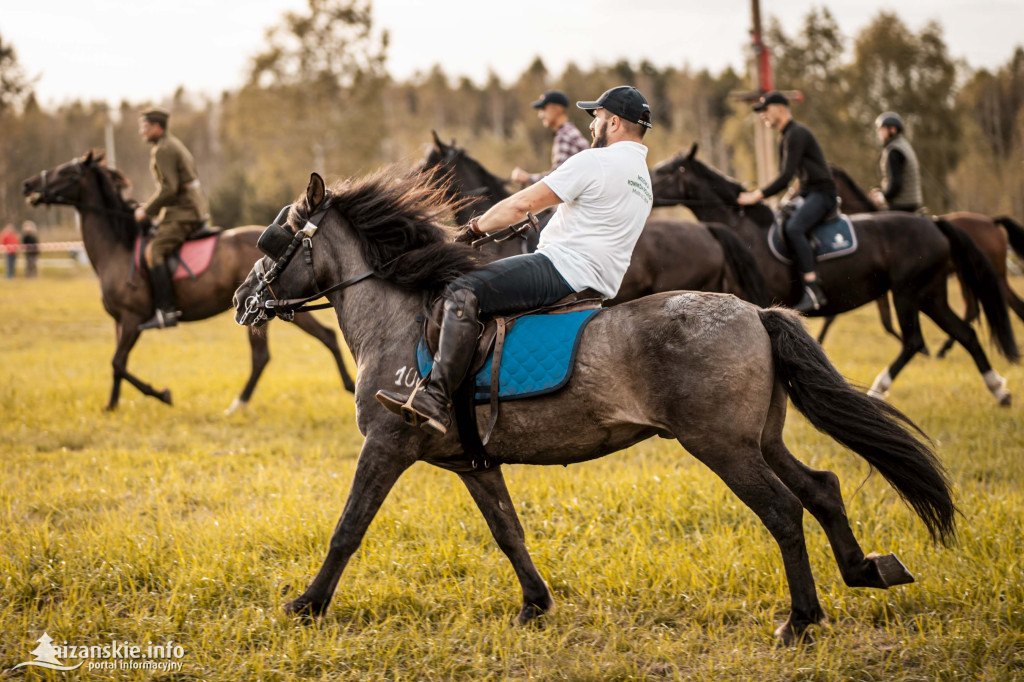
x=603 y=196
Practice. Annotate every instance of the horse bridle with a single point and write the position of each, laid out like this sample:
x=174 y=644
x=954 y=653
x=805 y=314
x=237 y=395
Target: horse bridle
x=45 y=197
x=44 y=191
x=281 y=244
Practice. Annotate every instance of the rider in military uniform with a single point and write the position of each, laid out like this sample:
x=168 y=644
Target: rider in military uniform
x=901 y=174
x=178 y=203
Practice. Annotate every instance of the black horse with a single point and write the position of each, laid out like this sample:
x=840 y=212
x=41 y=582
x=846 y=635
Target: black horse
x=880 y=264
x=711 y=371
x=994 y=236
x=670 y=255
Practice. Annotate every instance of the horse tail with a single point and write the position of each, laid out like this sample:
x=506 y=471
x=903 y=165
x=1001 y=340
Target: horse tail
x=978 y=274
x=875 y=430
x=1014 y=231
x=741 y=261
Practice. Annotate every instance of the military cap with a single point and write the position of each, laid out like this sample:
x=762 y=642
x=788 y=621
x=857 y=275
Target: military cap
x=156 y=115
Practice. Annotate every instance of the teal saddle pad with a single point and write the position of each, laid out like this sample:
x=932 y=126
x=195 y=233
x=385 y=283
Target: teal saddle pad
x=538 y=357
x=833 y=239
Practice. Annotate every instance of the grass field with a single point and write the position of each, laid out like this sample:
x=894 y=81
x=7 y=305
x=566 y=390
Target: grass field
x=161 y=523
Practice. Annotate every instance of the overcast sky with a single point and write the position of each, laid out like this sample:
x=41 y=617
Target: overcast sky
x=143 y=50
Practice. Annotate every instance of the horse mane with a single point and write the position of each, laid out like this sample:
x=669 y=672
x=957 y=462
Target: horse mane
x=854 y=188
x=727 y=189
x=397 y=219
x=122 y=223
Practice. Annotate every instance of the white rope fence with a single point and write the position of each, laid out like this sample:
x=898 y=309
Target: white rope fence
x=47 y=246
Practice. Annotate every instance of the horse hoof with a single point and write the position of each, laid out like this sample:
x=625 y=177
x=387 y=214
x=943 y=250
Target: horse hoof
x=165 y=396
x=302 y=609
x=787 y=635
x=890 y=569
x=1006 y=400
x=235 y=406
x=529 y=614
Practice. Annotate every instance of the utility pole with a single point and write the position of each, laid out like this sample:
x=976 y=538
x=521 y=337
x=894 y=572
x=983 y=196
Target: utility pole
x=764 y=81
x=111 y=155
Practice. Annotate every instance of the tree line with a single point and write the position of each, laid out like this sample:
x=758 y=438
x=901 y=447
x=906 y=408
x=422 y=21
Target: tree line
x=319 y=97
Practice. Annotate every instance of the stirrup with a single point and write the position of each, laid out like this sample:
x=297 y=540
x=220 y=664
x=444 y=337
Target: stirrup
x=409 y=414
x=162 y=319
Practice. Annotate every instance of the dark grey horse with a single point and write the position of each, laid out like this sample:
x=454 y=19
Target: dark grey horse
x=709 y=370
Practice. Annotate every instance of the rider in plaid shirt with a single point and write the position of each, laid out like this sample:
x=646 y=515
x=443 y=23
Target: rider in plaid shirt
x=568 y=139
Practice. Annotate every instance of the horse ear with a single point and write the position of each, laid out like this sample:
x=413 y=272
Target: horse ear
x=87 y=159
x=437 y=141
x=692 y=153
x=315 y=192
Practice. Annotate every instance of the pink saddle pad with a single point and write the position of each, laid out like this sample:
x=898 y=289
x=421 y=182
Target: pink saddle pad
x=197 y=254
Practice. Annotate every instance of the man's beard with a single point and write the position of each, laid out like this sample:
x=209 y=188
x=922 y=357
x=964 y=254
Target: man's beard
x=600 y=137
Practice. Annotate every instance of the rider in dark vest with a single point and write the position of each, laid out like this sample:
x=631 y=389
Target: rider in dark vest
x=800 y=156
x=901 y=174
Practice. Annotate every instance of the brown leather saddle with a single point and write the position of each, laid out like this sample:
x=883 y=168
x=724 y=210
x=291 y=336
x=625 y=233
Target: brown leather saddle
x=492 y=338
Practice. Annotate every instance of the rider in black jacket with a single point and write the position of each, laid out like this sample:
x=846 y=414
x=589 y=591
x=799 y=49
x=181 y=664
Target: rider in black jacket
x=800 y=156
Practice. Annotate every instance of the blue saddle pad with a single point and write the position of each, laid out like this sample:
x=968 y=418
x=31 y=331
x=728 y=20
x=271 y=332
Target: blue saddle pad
x=833 y=239
x=538 y=357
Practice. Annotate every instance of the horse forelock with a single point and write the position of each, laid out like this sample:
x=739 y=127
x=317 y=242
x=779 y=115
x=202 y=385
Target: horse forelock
x=397 y=220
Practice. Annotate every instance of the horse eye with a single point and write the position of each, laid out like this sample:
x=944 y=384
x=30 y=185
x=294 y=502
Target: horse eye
x=682 y=170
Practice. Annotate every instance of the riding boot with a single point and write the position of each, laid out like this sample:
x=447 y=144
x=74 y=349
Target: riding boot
x=813 y=299
x=166 y=314
x=430 y=404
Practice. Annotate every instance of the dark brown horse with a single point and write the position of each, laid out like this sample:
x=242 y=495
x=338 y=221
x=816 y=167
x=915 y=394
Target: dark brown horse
x=109 y=232
x=711 y=371
x=984 y=231
x=670 y=255
x=879 y=265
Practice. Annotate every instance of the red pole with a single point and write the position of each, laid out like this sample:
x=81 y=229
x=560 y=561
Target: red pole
x=763 y=56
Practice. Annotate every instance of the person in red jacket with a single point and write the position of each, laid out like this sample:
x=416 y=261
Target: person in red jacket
x=9 y=243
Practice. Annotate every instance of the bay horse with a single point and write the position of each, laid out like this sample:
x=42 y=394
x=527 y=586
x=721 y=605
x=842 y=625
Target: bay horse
x=669 y=255
x=880 y=264
x=109 y=232
x=984 y=231
x=708 y=370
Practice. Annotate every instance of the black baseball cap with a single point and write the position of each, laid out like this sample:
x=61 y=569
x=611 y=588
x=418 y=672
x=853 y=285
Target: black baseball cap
x=624 y=101
x=551 y=97
x=773 y=97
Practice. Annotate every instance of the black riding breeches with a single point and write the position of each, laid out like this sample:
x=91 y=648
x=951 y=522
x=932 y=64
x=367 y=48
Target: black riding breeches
x=815 y=207
x=514 y=284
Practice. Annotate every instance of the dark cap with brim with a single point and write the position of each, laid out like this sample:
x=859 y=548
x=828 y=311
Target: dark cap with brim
x=156 y=115
x=551 y=97
x=623 y=101
x=771 y=98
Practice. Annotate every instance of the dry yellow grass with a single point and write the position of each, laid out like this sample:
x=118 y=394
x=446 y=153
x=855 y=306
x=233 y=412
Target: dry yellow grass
x=157 y=523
